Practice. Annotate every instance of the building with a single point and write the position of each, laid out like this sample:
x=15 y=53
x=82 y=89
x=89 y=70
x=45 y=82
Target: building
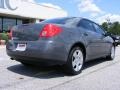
x=15 y=12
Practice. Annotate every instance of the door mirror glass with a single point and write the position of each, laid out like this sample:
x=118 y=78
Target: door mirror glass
x=107 y=33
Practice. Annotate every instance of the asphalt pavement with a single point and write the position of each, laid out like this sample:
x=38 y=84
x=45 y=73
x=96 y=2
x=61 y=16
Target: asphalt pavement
x=100 y=74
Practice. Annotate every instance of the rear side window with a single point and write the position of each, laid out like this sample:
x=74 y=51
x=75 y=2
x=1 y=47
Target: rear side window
x=98 y=29
x=86 y=25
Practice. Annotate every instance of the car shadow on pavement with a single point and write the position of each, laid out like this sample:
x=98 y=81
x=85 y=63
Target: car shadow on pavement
x=43 y=72
x=47 y=72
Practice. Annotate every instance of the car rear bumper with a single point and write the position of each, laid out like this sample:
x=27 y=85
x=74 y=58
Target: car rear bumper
x=38 y=51
x=117 y=42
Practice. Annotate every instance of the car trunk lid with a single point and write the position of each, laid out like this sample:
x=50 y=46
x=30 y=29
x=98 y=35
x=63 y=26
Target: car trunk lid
x=27 y=32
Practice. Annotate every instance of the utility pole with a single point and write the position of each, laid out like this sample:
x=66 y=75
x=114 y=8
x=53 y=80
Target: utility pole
x=108 y=22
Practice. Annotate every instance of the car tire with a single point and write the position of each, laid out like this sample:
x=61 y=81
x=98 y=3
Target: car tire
x=75 y=61
x=112 y=53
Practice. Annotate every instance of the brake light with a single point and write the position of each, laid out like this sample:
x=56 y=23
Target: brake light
x=50 y=30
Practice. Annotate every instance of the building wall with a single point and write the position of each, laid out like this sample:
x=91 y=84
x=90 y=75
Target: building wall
x=15 y=12
x=25 y=9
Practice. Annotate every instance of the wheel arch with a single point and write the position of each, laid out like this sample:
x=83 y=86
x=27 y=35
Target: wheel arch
x=81 y=45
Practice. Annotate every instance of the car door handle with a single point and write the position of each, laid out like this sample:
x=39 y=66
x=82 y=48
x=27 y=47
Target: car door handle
x=85 y=34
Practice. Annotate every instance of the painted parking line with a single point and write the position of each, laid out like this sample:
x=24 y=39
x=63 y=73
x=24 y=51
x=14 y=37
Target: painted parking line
x=63 y=80
x=83 y=74
x=54 y=72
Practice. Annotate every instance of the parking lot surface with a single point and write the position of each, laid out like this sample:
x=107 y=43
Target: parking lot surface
x=100 y=74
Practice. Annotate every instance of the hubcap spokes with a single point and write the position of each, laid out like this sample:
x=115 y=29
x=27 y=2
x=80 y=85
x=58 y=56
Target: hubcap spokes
x=77 y=60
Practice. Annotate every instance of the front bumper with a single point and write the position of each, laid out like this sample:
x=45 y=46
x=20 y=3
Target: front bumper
x=40 y=51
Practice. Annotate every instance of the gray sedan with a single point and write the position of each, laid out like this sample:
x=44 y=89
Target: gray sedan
x=67 y=41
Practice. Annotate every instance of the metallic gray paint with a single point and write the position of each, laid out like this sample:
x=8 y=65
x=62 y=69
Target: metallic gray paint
x=57 y=48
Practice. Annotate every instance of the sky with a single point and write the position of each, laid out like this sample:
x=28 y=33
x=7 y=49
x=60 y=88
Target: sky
x=96 y=10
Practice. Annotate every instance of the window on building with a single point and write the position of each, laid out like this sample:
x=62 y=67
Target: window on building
x=26 y=21
x=8 y=23
x=19 y=22
x=41 y=20
x=0 y=24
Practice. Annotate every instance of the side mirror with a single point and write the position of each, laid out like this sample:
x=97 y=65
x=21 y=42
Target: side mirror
x=107 y=34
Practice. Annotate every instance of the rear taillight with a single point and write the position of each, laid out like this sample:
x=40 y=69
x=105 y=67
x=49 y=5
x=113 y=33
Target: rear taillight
x=50 y=30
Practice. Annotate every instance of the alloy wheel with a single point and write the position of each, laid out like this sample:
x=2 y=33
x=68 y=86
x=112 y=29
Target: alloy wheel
x=77 y=60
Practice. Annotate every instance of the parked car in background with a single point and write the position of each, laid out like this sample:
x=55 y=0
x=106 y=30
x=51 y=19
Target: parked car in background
x=116 y=39
x=68 y=41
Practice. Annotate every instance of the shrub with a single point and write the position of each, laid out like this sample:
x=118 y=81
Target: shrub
x=4 y=36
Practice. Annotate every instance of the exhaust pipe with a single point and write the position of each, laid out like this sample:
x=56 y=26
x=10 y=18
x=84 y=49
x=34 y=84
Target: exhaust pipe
x=12 y=58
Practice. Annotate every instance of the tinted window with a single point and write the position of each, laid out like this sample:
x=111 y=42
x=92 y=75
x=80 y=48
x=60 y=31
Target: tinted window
x=98 y=29
x=8 y=23
x=67 y=21
x=57 y=21
x=86 y=25
x=19 y=22
x=0 y=25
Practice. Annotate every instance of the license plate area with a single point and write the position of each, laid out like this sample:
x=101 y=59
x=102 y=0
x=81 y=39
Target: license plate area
x=21 y=47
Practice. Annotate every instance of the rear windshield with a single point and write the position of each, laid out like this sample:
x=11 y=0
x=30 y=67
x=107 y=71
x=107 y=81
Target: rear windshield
x=66 y=21
x=56 y=21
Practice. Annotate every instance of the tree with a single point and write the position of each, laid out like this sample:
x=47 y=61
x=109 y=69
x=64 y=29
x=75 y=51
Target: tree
x=113 y=28
x=105 y=26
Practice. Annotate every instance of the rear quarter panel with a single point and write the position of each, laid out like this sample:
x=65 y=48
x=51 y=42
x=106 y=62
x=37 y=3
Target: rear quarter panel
x=70 y=36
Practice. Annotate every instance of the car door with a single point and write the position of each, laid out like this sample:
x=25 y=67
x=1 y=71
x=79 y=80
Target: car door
x=93 y=40
x=103 y=39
